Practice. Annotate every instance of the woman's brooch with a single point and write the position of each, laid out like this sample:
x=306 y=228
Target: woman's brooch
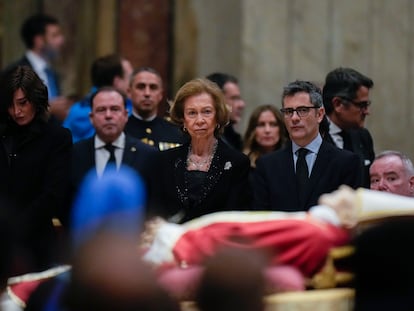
x=227 y=165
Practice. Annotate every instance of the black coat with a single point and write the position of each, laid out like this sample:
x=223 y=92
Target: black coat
x=362 y=144
x=231 y=137
x=35 y=178
x=137 y=155
x=226 y=186
x=24 y=61
x=274 y=180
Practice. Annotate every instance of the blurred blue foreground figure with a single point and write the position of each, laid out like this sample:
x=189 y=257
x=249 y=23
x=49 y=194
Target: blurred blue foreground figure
x=112 y=203
x=109 y=206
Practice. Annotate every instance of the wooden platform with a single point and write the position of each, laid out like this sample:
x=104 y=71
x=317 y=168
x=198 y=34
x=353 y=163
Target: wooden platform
x=337 y=299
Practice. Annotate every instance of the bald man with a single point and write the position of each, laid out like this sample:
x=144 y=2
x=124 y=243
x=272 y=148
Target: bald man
x=392 y=171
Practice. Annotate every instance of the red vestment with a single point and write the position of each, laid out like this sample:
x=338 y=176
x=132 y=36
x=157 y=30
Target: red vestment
x=302 y=243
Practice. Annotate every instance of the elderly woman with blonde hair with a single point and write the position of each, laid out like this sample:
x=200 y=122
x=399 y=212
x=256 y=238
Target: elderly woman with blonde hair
x=205 y=175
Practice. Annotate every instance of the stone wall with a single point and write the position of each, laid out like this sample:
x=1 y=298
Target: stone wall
x=137 y=29
x=267 y=43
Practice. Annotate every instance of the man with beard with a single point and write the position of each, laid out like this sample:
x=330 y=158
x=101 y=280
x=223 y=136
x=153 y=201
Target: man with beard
x=43 y=38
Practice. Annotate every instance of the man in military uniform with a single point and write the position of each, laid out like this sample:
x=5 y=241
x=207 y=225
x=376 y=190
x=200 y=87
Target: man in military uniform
x=146 y=93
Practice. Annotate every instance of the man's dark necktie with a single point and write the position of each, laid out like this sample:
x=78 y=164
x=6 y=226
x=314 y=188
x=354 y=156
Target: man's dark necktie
x=302 y=173
x=347 y=140
x=112 y=160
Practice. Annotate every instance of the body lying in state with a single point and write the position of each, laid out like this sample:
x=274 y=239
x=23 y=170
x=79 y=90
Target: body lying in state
x=300 y=239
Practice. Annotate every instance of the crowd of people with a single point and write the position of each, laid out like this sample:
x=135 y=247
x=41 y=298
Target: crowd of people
x=193 y=164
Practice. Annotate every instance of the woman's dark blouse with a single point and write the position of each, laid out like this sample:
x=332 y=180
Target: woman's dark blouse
x=181 y=195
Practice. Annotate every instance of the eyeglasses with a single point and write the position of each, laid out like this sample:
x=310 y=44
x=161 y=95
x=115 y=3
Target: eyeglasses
x=361 y=105
x=302 y=111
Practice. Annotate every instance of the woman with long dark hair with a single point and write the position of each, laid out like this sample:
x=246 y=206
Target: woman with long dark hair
x=265 y=132
x=35 y=162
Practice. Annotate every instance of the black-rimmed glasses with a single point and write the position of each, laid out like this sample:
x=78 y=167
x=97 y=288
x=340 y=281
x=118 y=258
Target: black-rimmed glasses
x=361 y=105
x=302 y=111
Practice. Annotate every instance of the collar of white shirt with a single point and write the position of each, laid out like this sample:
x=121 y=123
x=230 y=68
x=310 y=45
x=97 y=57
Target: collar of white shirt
x=118 y=143
x=38 y=64
x=334 y=131
x=136 y=115
x=333 y=128
x=313 y=146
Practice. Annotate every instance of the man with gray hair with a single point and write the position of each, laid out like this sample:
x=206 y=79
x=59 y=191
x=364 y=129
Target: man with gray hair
x=392 y=171
x=293 y=178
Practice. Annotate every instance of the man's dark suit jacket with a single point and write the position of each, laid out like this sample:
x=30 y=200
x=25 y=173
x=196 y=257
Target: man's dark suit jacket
x=226 y=186
x=361 y=144
x=274 y=180
x=233 y=138
x=25 y=62
x=137 y=155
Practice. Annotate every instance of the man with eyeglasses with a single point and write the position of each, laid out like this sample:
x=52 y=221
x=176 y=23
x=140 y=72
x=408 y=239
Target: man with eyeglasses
x=293 y=178
x=346 y=101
